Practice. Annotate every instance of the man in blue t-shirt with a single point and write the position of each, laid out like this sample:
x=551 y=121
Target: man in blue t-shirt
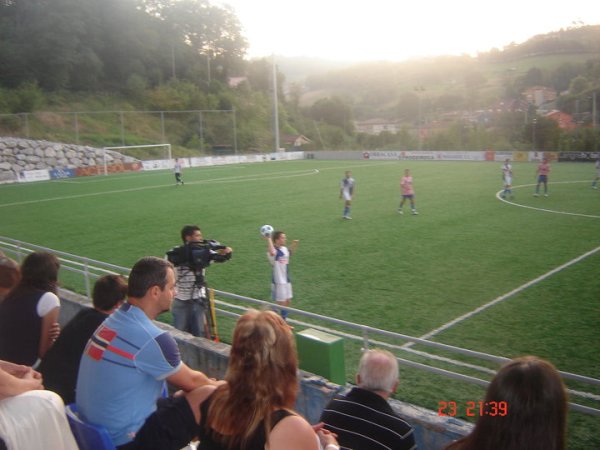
x=126 y=363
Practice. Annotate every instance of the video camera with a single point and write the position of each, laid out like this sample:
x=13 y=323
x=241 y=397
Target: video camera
x=198 y=255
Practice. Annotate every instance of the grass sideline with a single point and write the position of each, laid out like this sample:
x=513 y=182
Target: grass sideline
x=409 y=274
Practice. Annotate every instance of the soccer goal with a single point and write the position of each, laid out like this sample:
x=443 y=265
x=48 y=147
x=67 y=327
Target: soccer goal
x=131 y=153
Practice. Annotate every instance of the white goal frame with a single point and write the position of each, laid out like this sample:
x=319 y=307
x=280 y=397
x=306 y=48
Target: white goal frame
x=117 y=148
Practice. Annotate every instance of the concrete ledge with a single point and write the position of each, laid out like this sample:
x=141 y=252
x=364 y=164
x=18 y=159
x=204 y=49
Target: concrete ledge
x=432 y=432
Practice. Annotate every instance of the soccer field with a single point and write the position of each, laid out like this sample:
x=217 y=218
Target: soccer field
x=522 y=276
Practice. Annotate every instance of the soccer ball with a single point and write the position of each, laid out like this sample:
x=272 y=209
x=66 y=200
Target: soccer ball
x=266 y=230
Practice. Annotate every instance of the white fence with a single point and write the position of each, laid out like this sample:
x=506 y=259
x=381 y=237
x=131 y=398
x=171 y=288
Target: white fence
x=233 y=305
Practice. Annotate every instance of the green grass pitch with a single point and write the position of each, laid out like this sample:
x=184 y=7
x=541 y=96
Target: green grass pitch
x=409 y=274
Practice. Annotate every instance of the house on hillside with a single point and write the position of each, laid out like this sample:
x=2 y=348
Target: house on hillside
x=509 y=106
x=235 y=81
x=294 y=142
x=565 y=121
x=377 y=126
x=539 y=95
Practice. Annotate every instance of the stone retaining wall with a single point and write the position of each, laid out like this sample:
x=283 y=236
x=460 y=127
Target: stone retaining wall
x=18 y=155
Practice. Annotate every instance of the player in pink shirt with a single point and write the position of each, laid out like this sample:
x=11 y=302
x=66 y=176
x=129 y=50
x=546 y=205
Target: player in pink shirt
x=542 y=171
x=406 y=186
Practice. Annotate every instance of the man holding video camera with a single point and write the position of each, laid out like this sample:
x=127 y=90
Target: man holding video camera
x=191 y=259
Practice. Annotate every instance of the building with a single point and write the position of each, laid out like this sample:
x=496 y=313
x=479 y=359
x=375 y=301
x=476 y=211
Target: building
x=539 y=95
x=565 y=121
x=294 y=142
x=377 y=126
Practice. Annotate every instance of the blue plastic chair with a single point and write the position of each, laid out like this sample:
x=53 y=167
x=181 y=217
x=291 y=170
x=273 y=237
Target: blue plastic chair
x=87 y=436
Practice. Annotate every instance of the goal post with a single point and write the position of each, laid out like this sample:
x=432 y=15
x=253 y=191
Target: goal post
x=130 y=150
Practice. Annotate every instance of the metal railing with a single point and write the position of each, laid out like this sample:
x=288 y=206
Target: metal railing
x=232 y=306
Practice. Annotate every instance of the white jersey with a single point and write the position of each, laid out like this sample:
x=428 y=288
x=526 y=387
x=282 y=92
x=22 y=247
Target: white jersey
x=507 y=173
x=280 y=264
x=347 y=188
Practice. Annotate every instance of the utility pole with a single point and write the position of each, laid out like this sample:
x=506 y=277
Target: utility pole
x=533 y=122
x=594 y=112
x=208 y=66
x=594 y=121
x=420 y=90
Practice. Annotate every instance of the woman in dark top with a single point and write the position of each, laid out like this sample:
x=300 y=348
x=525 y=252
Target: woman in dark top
x=254 y=408
x=30 y=310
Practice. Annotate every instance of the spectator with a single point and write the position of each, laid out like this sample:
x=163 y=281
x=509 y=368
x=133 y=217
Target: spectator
x=61 y=363
x=10 y=274
x=362 y=418
x=29 y=416
x=535 y=401
x=126 y=361
x=30 y=310
x=254 y=408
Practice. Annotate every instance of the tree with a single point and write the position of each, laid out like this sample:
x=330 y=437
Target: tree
x=578 y=85
x=543 y=134
x=333 y=111
x=533 y=77
x=213 y=33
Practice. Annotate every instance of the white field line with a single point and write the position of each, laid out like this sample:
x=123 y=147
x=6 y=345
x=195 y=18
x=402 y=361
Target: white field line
x=237 y=179
x=542 y=199
x=506 y=296
x=101 y=178
x=257 y=177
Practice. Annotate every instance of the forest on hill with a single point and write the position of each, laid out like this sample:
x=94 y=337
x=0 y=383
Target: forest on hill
x=182 y=55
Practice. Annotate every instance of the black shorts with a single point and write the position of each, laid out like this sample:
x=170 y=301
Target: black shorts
x=171 y=427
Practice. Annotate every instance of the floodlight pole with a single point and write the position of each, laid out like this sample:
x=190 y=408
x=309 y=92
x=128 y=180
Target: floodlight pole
x=275 y=107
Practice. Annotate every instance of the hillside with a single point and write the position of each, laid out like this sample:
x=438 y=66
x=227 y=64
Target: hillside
x=322 y=100
x=462 y=82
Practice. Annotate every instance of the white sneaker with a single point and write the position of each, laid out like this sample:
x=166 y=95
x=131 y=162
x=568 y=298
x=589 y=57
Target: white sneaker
x=545 y=195
x=347 y=217
x=400 y=212
x=414 y=212
x=536 y=195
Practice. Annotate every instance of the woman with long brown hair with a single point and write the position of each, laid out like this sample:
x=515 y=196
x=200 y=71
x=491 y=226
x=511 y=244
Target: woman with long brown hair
x=30 y=311
x=525 y=407
x=254 y=408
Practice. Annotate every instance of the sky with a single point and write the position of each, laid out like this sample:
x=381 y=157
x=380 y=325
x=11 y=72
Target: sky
x=396 y=30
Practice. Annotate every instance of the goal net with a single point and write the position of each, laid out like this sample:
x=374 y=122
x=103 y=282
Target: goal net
x=157 y=156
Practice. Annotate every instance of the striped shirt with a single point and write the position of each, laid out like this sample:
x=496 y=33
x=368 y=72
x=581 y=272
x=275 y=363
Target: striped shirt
x=543 y=169
x=364 y=420
x=407 y=185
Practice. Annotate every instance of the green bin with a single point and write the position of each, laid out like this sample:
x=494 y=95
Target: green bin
x=322 y=354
